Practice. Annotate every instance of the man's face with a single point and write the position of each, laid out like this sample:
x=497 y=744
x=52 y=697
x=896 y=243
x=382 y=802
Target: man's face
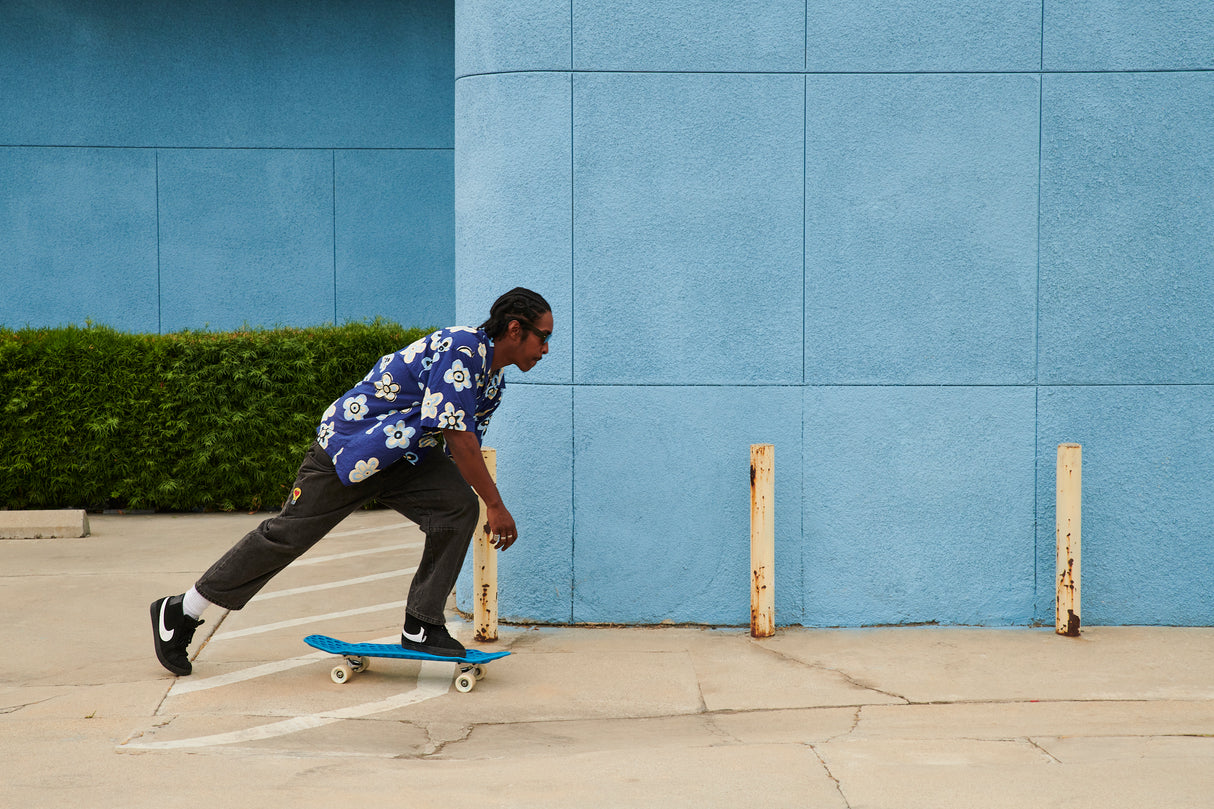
x=534 y=344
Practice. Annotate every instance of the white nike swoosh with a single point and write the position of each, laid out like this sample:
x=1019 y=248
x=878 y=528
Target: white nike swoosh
x=420 y=637
x=166 y=634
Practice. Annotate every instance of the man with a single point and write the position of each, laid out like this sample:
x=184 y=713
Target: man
x=383 y=440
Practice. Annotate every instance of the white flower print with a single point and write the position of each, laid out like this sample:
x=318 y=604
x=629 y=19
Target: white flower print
x=440 y=344
x=458 y=376
x=330 y=413
x=429 y=440
x=386 y=389
x=411 y=457
x=463 y=329
x=364 y=469
x=385 y=361
x=430 y=404
x=325 y=433
x=414 y=348
x=398 y=435
x=451 y=419
x=356 y=407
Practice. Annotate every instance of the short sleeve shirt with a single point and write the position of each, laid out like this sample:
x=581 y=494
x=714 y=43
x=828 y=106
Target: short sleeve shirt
x=399 y=410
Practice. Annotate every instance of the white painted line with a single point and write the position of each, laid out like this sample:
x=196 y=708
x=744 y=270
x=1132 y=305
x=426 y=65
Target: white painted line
x=396 y=526
x=404 y=546
x=312 y=588
x=182 y=686
x=310 y=619
x=433 y=680
x=188 y=686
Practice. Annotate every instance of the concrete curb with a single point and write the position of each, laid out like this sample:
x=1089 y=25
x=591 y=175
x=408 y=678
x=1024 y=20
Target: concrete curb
x=47 y=524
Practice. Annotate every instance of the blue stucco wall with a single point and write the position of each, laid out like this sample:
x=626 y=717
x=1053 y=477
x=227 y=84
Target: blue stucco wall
x=914 y=245
x=169 y=166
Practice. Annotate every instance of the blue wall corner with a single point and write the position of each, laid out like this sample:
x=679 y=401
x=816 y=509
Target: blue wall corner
x=509 y=36
x=513 y=191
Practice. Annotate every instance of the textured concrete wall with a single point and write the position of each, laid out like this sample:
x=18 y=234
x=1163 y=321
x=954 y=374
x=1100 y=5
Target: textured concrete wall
x=914 y=245
x=171 y=166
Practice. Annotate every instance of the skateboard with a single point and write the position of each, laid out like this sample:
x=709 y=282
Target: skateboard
x=357 y=658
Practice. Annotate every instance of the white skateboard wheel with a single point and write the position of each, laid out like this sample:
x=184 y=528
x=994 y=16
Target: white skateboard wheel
x=465 y=682
x=341 y=674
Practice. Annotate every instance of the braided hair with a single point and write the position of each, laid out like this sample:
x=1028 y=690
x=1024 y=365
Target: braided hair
x=517 y=304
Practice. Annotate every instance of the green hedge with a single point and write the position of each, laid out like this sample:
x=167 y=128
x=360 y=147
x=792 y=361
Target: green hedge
x=94 y=418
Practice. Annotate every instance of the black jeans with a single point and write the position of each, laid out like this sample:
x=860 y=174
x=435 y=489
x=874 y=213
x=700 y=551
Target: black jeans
x=432 y=494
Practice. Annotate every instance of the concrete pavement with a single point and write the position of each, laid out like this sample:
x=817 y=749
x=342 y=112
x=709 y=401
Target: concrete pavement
x=663 y=717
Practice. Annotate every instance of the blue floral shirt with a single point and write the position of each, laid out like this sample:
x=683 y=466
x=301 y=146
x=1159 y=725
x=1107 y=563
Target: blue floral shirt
x=399 y=410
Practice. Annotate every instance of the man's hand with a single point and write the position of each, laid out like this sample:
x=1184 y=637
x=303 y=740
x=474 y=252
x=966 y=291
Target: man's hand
x=501 y=528
x=466 y=453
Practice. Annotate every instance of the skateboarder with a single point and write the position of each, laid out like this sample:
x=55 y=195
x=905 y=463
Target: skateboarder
x=408 y=435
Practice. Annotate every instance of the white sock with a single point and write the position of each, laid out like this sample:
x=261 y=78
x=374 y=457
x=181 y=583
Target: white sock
x=194 y=604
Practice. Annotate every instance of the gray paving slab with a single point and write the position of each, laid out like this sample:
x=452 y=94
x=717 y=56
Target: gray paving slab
x=629 y=717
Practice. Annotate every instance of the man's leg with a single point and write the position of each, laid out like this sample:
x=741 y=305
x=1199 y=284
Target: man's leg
x=317 y=503
x=435 y=496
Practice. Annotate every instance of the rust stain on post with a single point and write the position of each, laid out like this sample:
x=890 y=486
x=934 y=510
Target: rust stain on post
x=484 y=568
x=762 y=541
x=1067 y=536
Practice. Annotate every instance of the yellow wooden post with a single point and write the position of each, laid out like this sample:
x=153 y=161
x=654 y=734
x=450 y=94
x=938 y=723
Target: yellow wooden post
x=762 y=541
x=1067 y=535
x=484 y=568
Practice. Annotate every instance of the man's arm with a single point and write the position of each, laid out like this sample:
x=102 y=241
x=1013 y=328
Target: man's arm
x=466 y=452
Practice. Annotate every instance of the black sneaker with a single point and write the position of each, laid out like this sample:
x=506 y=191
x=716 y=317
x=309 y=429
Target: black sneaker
x=431 y=639
x=172 y=631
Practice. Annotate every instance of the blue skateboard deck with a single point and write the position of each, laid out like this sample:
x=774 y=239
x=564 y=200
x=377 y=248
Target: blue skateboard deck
x=472 y=665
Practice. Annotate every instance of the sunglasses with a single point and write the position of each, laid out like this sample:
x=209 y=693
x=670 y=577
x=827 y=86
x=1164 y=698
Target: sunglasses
x=543 y=335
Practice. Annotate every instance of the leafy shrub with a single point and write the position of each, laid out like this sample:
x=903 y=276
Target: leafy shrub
x=94 y=418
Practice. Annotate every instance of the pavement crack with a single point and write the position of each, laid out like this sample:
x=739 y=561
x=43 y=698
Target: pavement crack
x=440 y=735
x=849 y=679
x=14 y=708
x=1033 y=743
x=855 y=723
x=710 y=720
x=831 y=776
